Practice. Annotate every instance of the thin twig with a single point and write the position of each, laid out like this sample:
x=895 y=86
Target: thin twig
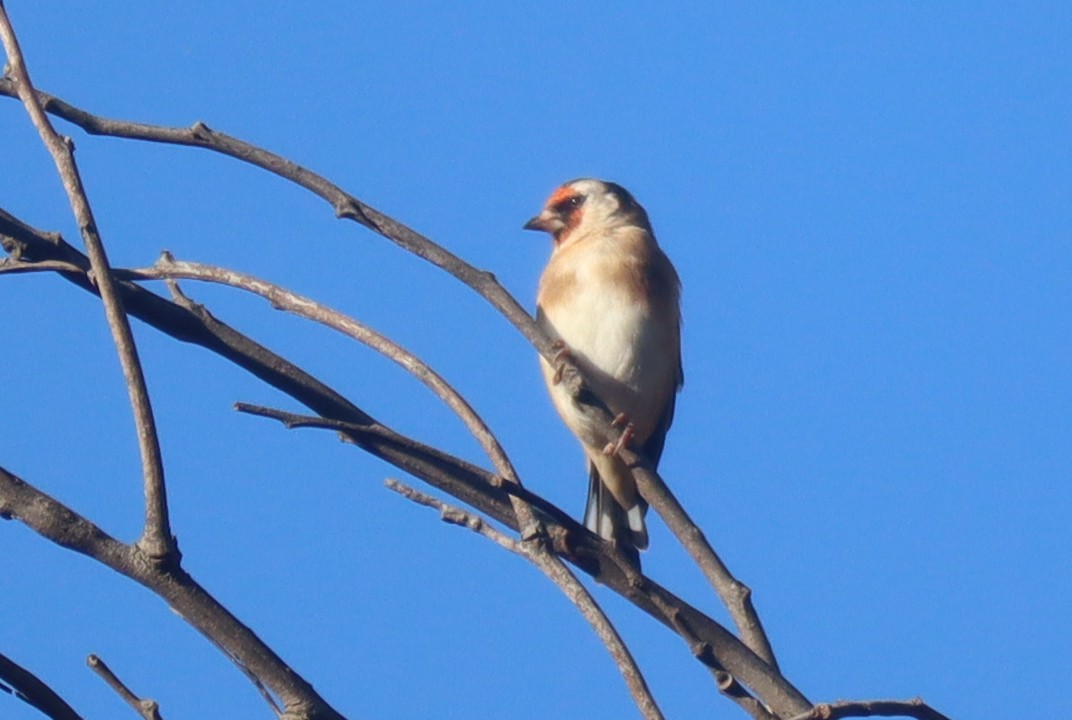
x=914 y=708
x=156 y=539
x=537 y=554
x=29 y=688
x=735 y=595
x=167 y=267
x=493 y=496
x=148 y=709
x=10 y=266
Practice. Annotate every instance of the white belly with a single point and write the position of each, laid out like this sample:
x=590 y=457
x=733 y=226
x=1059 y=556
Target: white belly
x=630 y=360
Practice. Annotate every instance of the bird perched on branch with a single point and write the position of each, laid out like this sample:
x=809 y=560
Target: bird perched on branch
x=610 y=299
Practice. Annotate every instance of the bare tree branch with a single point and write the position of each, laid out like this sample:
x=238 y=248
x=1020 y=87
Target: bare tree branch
x=712 y=644
x=167 y=267
x=484 y=491
x=148 y=709
x=58 y=523
x=464 y=481
x=543 y=527
x=345 y=205
x=728 y=686
x=914 y=708
x=473 y=485
x=734 y=594
x=33 y=691
x=11 y=266
x=156 y=540
x=724 y=681
x=537 y=554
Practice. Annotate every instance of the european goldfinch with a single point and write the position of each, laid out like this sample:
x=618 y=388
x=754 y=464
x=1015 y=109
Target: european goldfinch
x=610 y=297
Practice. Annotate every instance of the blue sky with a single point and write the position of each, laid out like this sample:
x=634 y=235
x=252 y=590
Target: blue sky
x=869 y=206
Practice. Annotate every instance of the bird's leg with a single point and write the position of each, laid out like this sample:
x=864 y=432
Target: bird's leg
x=562 y=354
x=624 y=439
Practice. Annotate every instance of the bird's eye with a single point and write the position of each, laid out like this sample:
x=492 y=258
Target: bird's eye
x=569 y=204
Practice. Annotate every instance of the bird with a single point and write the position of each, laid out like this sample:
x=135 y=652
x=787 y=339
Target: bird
x=610 y=299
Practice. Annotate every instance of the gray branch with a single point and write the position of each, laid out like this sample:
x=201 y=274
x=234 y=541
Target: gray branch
x=29 y=688
x=148 y=709
x=535 y=552
x=156 y=540
x=55 y=521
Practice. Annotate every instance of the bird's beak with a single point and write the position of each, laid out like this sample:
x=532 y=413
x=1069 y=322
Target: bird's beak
x=546 y=221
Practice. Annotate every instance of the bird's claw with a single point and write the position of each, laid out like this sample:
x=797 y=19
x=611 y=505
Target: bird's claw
x=562 y=354
x=624 y=439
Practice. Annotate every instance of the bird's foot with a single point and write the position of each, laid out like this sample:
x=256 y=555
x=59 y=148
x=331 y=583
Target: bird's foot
x=624 y=439
x=619 y=421
x=561 y=356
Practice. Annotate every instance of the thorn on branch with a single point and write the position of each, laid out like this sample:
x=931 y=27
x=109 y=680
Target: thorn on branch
x=347 y=209
x=454 y=516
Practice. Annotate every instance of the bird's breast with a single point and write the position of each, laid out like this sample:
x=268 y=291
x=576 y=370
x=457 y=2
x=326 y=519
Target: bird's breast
x=626 y=343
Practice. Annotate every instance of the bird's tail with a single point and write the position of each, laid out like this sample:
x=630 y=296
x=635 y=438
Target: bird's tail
x=606 y=517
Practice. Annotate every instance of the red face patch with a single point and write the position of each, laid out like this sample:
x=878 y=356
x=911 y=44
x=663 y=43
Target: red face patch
x=561 y=194
x=566 y=202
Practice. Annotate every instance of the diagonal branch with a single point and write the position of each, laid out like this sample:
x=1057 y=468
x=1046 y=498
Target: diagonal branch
x=55 y=521
x=702 y=650
x=148 y=709
x=346 y=206
x=32 y=690
x=721 y=650
x=156 y=540
x=167 y=267
x=914 y=708
x=537 y=554
x=734 y=594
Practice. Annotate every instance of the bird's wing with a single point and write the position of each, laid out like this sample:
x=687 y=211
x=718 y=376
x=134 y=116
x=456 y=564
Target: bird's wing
x=653 y=448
